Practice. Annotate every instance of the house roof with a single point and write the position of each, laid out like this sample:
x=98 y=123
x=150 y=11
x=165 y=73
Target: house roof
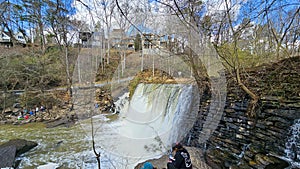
x=4 y=37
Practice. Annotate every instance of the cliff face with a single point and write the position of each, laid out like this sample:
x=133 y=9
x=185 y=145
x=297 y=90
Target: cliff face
x=241 y=141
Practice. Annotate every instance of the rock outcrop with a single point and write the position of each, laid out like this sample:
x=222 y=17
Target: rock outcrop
x=196 y=157
x=7 y=156
x=65 y=121
x=13 y=148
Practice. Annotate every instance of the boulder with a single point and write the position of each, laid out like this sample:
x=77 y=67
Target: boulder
x=275 y=162
x=13 y=148
x=7 y=156
x=158 y=163
x=22 y=146
x=16 y=111
x=66 y=121
x=7 y=111
x=196 y=157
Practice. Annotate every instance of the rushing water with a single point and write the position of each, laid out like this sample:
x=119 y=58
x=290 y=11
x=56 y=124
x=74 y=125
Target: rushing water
x=292 y=146
x=64 y=146
x=156 y=116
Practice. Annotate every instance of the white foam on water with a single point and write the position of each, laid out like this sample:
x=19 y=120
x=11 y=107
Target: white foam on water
x=292 y=146
x=156 y=116
x=48 y=166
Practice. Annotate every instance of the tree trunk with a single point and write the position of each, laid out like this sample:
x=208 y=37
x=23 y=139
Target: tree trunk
x=43 y=43
x=4 y=100
x=98 y=155
x=108 y=49
x=69 y=85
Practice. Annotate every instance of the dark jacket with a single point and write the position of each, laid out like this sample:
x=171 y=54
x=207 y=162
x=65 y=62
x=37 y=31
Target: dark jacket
x=182 y=159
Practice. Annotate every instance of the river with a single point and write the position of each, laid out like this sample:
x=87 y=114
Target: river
x=69 y=147
x=156 y=116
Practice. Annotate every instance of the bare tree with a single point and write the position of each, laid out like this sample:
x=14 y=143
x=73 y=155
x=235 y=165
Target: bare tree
x=35 y=16
x=281 y=21
x=11 y=19
x=122 y=18
x=63 y=29
x=97 y=154
x=104 y=10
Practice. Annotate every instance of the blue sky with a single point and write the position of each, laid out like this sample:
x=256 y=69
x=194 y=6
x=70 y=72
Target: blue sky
x=244 y=9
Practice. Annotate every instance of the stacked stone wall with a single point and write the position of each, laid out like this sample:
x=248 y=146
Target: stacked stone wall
x=242 y=140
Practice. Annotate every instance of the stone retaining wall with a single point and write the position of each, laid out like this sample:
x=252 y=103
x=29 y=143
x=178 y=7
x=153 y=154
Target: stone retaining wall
x=241 y=141
x=245 y=141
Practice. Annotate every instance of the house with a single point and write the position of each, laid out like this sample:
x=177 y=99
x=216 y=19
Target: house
x=119 y=40
x=126 y=43
x=98 y=40
x=129 y=42
x=116 y=37
x=20 y=38
x=85 y=36
x=152 y=42
x=6 y=40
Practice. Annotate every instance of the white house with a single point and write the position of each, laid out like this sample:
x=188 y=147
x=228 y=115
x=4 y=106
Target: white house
x=20 y=38
x=5 y=39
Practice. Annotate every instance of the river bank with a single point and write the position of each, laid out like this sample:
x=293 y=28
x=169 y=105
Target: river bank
x=60 y=111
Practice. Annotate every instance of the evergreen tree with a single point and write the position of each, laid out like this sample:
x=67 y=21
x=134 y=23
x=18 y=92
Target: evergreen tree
x=138 y=42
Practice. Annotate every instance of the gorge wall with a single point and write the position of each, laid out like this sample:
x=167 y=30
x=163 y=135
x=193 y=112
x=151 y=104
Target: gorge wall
x=243 y=141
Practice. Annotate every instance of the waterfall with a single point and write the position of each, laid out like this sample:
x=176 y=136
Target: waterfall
x=157 y=109
x=156 y=116
x=292 y=146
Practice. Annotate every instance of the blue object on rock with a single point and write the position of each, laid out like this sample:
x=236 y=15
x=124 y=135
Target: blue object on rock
x=147 y=165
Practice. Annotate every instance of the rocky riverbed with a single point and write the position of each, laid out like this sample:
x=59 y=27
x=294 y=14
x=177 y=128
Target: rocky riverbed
x=61 y=113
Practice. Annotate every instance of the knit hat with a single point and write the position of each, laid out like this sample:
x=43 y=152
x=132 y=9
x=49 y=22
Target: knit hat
x=147 y=165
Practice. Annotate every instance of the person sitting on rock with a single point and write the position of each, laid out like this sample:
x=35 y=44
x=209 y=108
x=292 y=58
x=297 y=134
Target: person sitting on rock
x=20 y=117
x=25 y=110
x=31 y=112
x=26 y=117
x=42 y=108
x=181 y=159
